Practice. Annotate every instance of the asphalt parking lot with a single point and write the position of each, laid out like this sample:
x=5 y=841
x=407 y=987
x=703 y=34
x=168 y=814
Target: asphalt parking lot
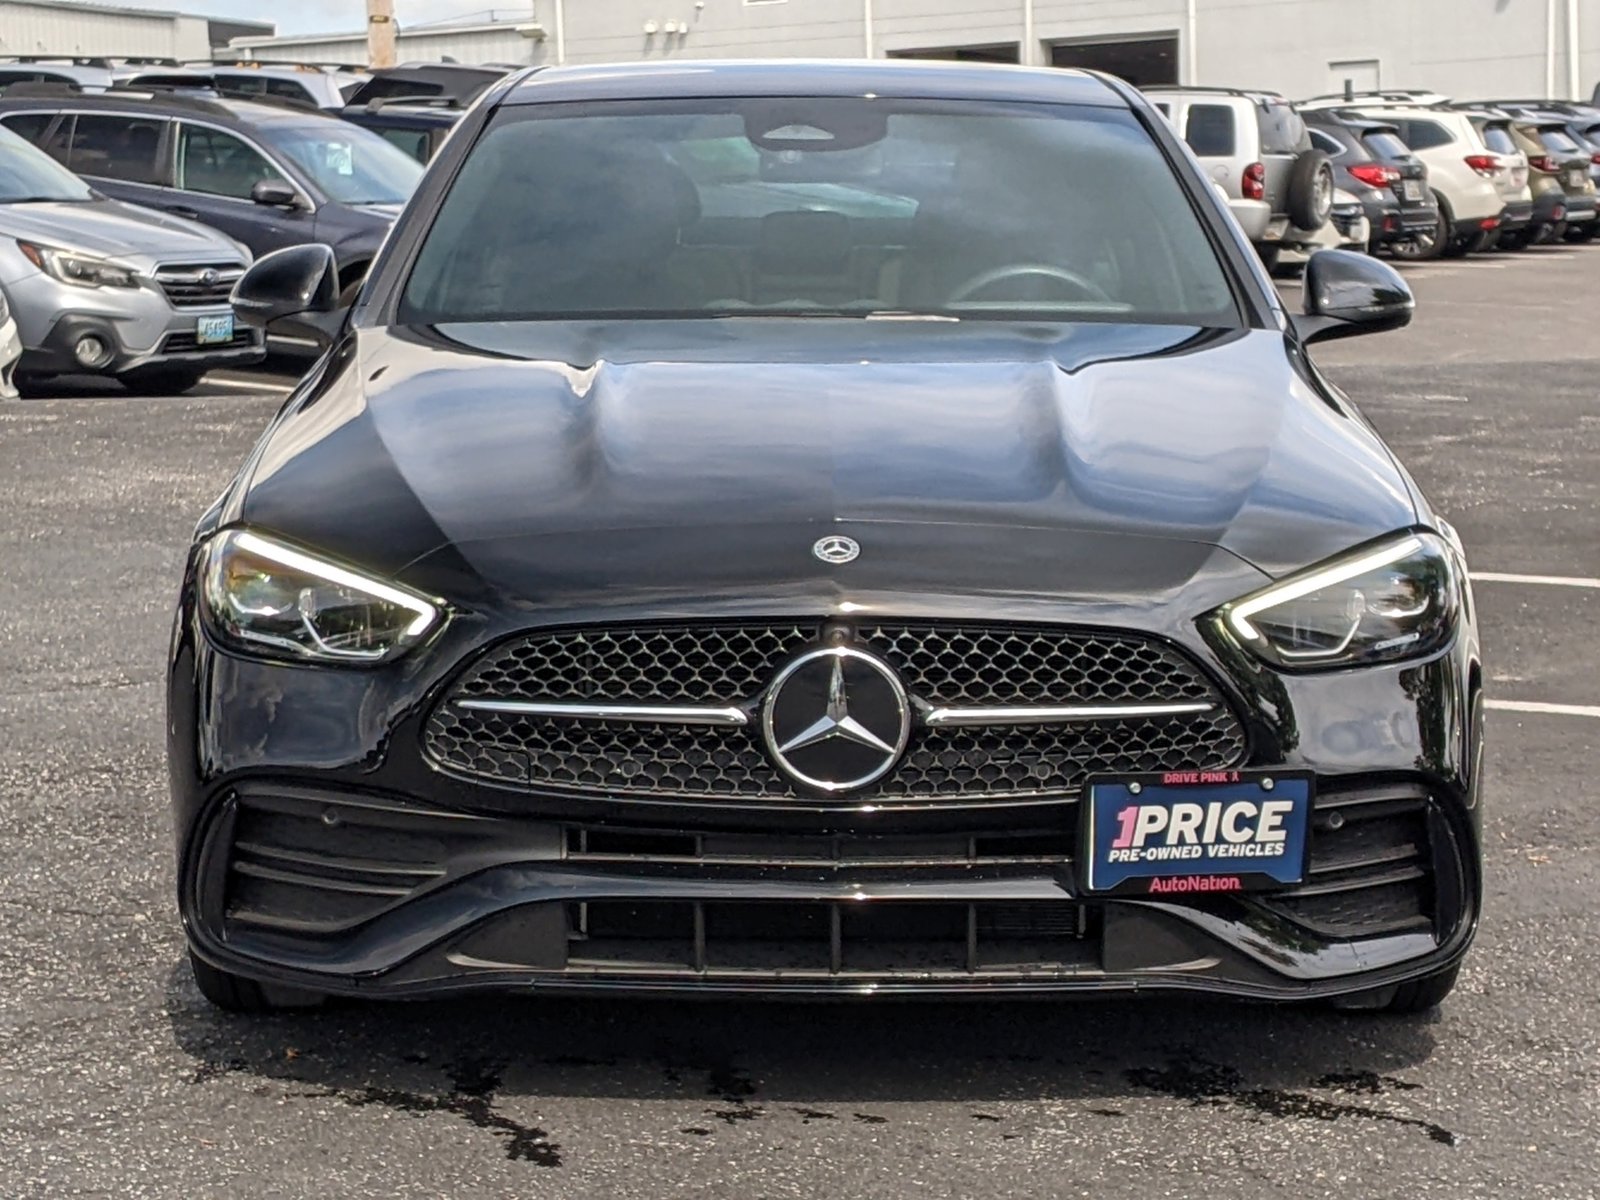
x=118 y=1080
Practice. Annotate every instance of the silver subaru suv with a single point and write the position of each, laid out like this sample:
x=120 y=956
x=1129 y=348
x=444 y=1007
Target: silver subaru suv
x=104 y=288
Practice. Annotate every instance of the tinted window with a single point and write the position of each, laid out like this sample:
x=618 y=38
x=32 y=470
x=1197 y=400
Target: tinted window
x=219 y=164
x=350 y=164
x=242 y=84
x=116 y=146
x=1386 y=145
x=29 y=126
x=1328 y=144
x=26 y=173
x=1424 y=135
x=412 y=141
x=1282 y=130
x=288 y=89
x=1557 y=140
x=816 y=207
x=1210 y=130
x=1498 y=138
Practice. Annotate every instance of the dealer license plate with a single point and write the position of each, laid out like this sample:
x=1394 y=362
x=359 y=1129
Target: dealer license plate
x=1186 y=833
x=1575 y=178
x=210 y=331
x=1412 y=190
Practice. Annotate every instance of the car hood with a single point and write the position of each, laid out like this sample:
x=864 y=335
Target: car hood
x=112 y=229
x=550 y=464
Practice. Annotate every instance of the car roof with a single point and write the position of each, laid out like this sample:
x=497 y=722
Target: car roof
x=245 y=112
x=902 y=78
x=1356 y=123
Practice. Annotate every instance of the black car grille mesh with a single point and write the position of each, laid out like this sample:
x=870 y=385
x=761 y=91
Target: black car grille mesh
x=733 y=664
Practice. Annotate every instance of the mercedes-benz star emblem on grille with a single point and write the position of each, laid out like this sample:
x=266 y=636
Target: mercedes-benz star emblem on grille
x=836 y=549
x=836 y=719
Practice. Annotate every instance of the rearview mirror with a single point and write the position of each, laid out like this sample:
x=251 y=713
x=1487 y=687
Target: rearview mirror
x=275 y=193
x=299 y=283
x=1347 y=294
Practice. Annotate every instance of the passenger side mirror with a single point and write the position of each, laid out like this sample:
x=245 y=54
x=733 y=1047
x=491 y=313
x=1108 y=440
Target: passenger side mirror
x=275 y=193
x=1347 y=294
x=299 y=282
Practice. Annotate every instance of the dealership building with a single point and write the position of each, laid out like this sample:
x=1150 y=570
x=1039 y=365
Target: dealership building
x=1459 y=47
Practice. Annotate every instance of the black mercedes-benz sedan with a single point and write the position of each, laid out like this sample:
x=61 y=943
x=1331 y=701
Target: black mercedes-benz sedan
x=825 y=529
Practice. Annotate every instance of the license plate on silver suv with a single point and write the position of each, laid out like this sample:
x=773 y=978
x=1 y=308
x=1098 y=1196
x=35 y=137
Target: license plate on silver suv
x=212 y=331
x=1575 y=178
x=1411 y=190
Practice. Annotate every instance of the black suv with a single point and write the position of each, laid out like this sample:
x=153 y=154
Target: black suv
x=269 y=176
x=418 y=127
x=1374 y=165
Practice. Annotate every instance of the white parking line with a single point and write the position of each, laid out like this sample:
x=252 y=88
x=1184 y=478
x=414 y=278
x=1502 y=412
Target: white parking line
x=1576 y=581
x=1538 y=706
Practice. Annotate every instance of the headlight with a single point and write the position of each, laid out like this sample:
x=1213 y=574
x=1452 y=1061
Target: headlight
x=261 y=594
x=84 y=270
x=1393 y=601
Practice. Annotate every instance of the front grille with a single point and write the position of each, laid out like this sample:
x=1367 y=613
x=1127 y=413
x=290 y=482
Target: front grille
x=941 y=664
x=1371 y=869
x=188 y=343
x=198 y=285
x=808 y=940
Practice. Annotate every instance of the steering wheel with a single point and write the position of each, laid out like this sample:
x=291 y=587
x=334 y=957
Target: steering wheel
x=987 y=279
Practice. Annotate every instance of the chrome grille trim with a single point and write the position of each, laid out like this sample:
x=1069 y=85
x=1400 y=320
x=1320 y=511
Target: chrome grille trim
x=185 y=286
x=661 y=714
x=1058 y=714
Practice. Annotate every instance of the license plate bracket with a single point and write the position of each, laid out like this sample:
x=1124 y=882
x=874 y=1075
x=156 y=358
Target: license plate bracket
x=1188 y=833
x=213 y=331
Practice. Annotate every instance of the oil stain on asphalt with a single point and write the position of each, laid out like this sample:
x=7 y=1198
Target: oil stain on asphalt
x=474 y=1083
x=1204 y=1083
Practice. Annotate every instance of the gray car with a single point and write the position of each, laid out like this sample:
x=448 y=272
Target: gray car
x=100 y=287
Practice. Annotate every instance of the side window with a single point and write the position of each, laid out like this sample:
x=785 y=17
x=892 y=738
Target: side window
x=413 y=141
x=242 y=84
x=1282 y=130
x=288 y=89
x=29 y=127
x=116 y=146
x=1426 y=135
x=1210 y=130
x=218 y=163
x=1329 y=145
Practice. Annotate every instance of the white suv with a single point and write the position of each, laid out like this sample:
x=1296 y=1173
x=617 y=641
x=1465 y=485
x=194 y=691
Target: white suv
x=1257 y=150
x=1470 y=181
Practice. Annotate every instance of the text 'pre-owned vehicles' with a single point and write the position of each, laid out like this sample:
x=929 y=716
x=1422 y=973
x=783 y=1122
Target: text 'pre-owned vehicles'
x=269 y=176
x=105 y=288
x=823 y=529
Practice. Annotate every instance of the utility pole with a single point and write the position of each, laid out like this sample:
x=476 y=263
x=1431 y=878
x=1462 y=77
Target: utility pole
x=380 y=33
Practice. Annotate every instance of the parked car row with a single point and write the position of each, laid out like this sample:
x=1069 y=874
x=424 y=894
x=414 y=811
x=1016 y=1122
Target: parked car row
x=1433 y=176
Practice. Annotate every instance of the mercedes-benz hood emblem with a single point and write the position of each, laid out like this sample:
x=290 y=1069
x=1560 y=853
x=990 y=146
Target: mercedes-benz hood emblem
x=836 y=549
x=836 y=719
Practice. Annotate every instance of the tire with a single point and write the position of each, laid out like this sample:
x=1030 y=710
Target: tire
x=1517 y=239
x=1417 y=996
x=1310 y=191
x=32 y=387
x=1583 y=233
x=160 y=381
x=235 y=993
x=1269 y=257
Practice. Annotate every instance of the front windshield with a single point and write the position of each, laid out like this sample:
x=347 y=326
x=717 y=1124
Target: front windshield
x=28 y=173
x=350 y=164
x=817 y=207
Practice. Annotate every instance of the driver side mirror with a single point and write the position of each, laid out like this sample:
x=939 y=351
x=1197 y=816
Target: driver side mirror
x=275 y=193
x=1347 y=294
x=298 y=285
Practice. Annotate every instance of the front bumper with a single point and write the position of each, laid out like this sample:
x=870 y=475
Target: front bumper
x=318 y=848
x=138 y=325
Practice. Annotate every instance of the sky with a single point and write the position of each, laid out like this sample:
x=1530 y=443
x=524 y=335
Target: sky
x=336 y=16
